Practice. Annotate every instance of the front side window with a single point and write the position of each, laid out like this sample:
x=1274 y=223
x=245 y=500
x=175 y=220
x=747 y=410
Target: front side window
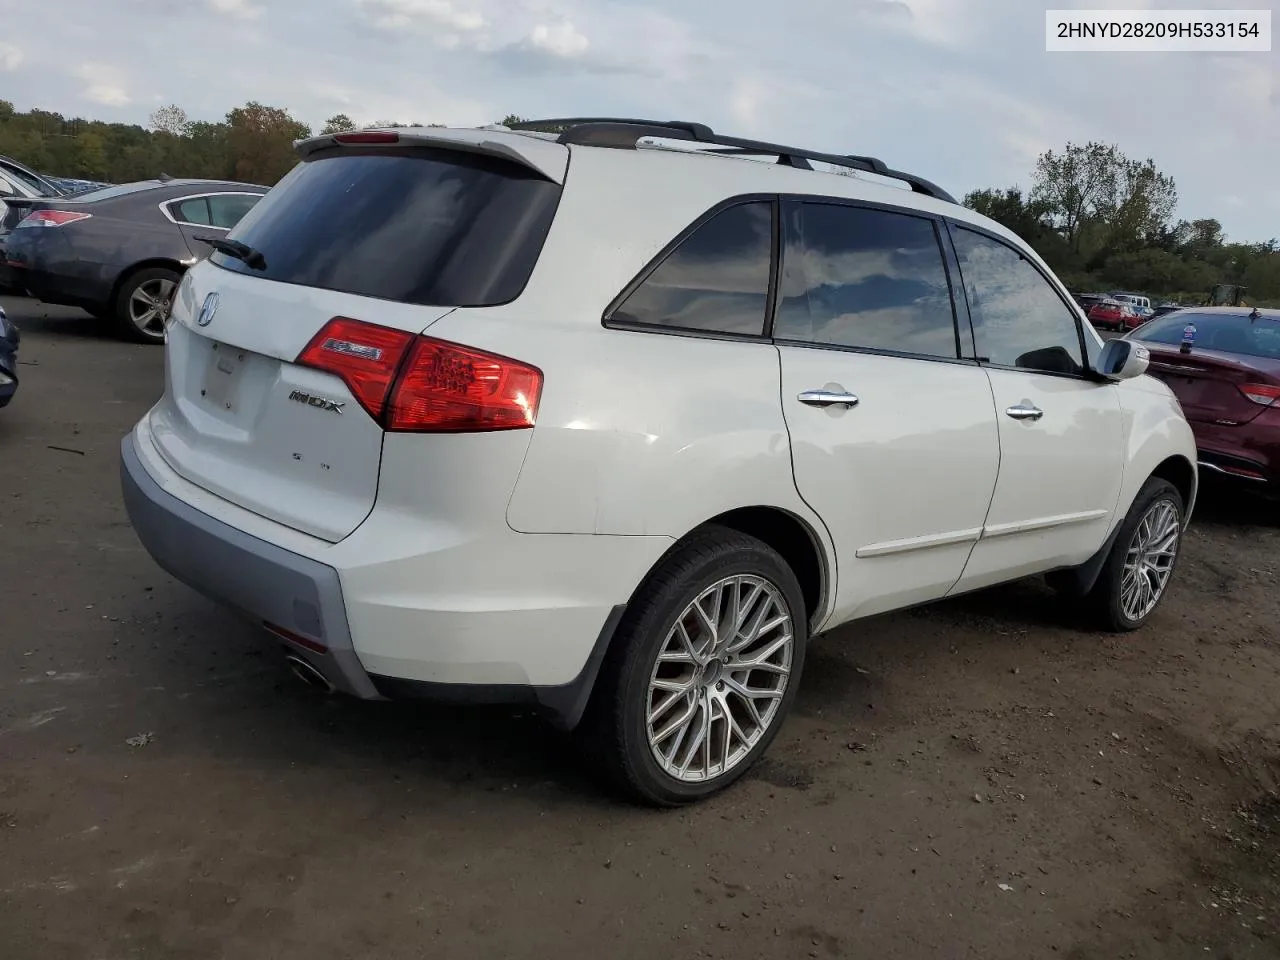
x=866 y=279
x=716 y=280
x=1018 y=318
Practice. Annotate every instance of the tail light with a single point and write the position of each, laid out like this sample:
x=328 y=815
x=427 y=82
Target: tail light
x=417 y=383
x=51 y=218
x=1262 y=393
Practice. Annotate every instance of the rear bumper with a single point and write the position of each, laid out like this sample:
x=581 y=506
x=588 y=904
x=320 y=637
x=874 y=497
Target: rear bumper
x=260 y=579
x=404 y=606
x=1248 y=454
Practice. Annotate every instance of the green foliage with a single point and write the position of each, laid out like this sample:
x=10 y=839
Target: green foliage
x=1104 y=222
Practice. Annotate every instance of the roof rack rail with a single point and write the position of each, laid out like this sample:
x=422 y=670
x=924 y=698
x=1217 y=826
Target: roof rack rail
x=622 y=133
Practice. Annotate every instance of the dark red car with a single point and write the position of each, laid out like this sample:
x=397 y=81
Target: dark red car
x=1223 y=364
x=1114 y=315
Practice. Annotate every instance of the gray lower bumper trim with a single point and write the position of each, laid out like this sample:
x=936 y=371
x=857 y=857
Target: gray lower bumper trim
x=266 y=582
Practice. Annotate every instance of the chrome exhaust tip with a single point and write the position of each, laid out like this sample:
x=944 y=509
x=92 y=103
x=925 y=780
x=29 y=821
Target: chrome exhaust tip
x=308 y=674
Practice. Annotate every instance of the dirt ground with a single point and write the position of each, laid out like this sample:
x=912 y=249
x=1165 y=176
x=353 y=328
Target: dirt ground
x=980 y=778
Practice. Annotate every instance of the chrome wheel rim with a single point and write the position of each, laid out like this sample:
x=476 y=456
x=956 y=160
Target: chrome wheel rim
x=1149 y=561
x=719 y=679
x=149 y=305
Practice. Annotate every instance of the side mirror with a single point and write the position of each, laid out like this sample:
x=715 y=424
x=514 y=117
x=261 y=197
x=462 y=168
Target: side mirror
x=1123 y=360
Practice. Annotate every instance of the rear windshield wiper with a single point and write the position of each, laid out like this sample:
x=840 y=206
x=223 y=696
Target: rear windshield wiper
x=252 y=258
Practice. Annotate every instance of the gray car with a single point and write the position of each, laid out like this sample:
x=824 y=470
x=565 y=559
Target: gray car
x=119 y=252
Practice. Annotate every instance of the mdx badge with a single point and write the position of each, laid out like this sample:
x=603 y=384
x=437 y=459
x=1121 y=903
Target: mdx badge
x=210 y=307
x=323 y=403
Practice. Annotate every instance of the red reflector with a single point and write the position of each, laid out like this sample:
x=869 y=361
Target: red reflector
x=368 y=136
x=299 y=639
x=51 y=218
x=365 y=356
x=416 y=383
x=1263 y=393
x=448 y=388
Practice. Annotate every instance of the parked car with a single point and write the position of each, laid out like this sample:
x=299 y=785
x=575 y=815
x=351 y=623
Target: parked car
x=70 y=186
x=1114 y=315
x=1162 y=308
x=18 y=182
x=1228 y=382
x=451 y=415
x=1088 y=300
x=9 y=339
x=1141 y=304
x=119 y=252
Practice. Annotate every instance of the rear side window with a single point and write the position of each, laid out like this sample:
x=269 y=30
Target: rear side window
x=867 y=279
x=1225 y=332
x=424 y=226
x=227 y=209
x=195 y=210
x=716 y=280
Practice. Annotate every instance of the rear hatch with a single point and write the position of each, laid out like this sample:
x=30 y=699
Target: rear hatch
x=371 y=239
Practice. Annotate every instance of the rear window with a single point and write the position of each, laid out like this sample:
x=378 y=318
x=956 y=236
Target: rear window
x=424 y=226
x=110 y=193
x=1225 y=332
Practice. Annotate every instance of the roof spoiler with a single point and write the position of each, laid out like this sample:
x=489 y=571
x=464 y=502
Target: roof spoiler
x=624 y=134
x=545 y=157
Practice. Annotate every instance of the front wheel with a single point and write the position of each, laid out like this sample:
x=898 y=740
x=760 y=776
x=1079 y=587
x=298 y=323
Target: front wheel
x=142 y=305
x=1138 y=570
x=702 y=672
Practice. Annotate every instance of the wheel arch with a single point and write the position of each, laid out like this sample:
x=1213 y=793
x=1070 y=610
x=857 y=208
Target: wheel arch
x=1181 y=472
x=128 y=272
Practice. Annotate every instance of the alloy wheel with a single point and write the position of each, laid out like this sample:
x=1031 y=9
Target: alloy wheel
x=149 y=305
x=719 y=679
x=1149 y=560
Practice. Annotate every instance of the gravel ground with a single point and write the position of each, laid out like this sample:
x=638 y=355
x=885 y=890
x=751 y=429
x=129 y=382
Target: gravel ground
x=980 y=778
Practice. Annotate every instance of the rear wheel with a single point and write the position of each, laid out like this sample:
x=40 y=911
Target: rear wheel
x=702 y=672
x=143 y=302
x=1138 y=570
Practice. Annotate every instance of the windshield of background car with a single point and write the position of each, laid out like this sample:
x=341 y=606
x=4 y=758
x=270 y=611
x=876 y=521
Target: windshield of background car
x=415 y=225
x=40 y=188
x=1224 y=332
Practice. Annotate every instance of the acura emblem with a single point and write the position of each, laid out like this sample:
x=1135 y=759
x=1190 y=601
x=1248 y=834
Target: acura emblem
x=205 y=316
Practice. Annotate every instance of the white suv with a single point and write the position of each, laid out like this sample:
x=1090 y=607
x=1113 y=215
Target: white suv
x=557 y=418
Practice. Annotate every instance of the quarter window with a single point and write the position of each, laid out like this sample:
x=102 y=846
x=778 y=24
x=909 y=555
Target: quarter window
x=1018 y=318
x=716 y=280
x=867 y=279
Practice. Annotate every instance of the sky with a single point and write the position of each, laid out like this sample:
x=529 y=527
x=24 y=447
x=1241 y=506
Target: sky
x=961 y=92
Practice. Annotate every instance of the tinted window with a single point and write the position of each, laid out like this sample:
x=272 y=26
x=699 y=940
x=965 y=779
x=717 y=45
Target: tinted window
x=1226 y=332
x=1018 y=318
x=717 y=279
x=195 y=210
x=227 y=209
x=425 y=226
x=865 y=278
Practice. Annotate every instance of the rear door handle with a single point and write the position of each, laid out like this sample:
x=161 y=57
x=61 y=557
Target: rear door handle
x=828 y=398
x=1024 y=411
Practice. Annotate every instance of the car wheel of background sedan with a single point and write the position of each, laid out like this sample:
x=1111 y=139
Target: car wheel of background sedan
x=1137 y=573
x=142 y=305
x=702 y=672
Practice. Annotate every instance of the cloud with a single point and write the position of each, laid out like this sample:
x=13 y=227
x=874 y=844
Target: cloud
x=239 y=9
x=11 y=57
x=422 y=15
x=561 y=39
x=102 y=85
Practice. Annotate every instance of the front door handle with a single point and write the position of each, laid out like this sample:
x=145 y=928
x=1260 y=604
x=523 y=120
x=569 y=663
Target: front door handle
x=828 y=398
x=1024 y=411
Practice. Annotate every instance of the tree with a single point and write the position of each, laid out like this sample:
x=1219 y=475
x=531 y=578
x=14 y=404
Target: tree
x=1076 y=185
x=260 y=139
x=338 y=123
x=171 y=120
x=512 y=118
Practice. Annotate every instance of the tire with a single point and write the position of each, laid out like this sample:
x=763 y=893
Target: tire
x=1114 y=610
x=158 y=284
x=617 y=732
